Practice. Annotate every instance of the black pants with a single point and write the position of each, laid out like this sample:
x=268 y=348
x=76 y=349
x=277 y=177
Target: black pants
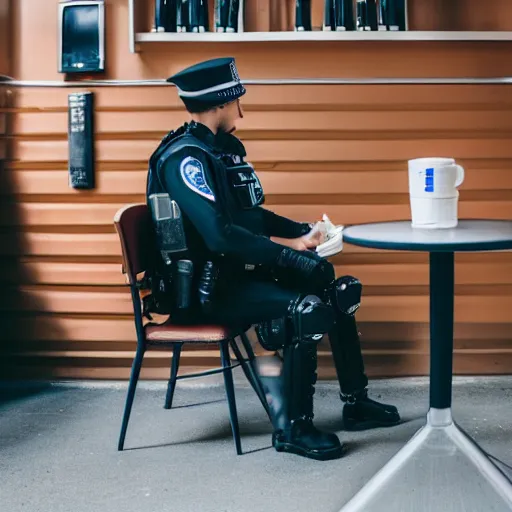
x=245 y=301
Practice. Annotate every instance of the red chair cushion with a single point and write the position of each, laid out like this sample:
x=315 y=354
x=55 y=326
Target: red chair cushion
x=188 y=333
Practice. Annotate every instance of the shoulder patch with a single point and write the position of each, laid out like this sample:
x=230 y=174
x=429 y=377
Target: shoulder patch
x=192 y=173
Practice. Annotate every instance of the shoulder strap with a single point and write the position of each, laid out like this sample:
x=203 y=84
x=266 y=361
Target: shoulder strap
x=178 y=144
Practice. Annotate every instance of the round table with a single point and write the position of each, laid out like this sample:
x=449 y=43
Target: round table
x=440 y=450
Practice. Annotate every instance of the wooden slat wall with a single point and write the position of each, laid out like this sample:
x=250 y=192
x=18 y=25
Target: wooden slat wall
x=335 y=149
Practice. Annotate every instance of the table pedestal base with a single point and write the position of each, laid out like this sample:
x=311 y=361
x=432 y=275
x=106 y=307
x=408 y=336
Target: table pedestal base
x=441 y=468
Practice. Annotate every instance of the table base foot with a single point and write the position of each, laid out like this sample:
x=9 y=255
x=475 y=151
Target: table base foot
x=440 y=468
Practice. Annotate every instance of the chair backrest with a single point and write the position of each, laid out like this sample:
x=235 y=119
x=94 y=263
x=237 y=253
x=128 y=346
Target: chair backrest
x=138 y=244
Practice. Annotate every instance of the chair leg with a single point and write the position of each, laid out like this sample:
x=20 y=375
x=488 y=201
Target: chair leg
x=230 y=392
x=174 y=374
x=251 y=376
x=134 y=377
x=252 y=363
x=247 y=347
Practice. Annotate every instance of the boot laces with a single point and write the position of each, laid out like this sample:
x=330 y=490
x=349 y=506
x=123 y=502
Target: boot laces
x=352 y=398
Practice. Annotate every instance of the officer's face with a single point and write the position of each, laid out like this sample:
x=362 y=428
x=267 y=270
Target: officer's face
x=229 y=115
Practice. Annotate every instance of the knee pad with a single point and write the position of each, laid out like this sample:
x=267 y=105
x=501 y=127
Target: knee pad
x=308 y=320
x=345 y=294
x=272 y=334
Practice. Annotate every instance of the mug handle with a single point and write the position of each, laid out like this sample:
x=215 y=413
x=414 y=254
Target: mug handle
x=460 y=175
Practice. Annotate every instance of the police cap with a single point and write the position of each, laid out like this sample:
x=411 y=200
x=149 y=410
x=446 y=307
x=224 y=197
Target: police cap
x=208 y=84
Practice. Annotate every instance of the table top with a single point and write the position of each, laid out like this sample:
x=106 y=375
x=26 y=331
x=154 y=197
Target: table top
x=469 y=235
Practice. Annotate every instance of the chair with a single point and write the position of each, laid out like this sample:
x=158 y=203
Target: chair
x=134 y=227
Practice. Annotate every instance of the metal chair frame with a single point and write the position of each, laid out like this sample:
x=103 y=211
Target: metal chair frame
x=248 y=364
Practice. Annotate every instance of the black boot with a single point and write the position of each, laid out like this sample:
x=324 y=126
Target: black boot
x=362 y=413
x=291 y=404
x=359 y=412
x=303 y=438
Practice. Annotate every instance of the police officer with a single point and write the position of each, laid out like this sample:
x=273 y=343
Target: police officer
x=227 y=260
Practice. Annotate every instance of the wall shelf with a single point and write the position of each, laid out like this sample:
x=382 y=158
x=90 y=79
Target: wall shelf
x=254 y=37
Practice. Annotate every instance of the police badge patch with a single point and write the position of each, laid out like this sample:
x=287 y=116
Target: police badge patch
x=192 y=173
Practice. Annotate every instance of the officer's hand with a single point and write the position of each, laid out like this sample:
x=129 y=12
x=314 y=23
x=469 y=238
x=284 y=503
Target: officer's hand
x=315 y=237
x=299 y=244
x=294 y=243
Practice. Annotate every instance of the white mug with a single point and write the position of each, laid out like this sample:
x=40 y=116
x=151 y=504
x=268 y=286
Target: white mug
x=435 y=177
x=434 y=213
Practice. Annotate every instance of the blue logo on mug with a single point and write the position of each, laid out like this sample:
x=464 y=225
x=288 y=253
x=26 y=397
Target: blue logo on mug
x=429 y=180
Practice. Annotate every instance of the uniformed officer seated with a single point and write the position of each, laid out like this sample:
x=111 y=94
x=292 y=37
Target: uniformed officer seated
x=227 y=260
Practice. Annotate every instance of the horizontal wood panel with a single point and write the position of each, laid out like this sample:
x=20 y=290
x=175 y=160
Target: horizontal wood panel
x=282 y=150
x=278 y=166
x=40 y=299
x=137 y=123
x=336 y=149
x=159 y=356
x=49 y=272
x=62 y=273
x=416 y=346
x=52 y=244
x=107 y=244
x=384 y=309
x=82 y=244
x=91 y=214
x=377 y=182
x=408 y=356
x=100 y=328
x=378 y=365
x=296 y=97
x=316 y=181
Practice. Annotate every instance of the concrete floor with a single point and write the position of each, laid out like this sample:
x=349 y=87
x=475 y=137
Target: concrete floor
x=58 y=447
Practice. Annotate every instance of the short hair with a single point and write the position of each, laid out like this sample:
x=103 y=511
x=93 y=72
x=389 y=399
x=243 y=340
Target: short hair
x=198 y=107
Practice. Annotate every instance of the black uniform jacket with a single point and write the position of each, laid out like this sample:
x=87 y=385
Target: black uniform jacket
x=193 y=169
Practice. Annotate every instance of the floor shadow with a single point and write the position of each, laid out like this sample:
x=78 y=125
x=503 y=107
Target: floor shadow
x=218 y=432
x=23 y=316
x=193 y=441
x=9 y=393
x=197 y=404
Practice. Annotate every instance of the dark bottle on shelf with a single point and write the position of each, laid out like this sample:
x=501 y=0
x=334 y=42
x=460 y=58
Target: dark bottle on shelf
x=392 y=14
x=344 y=15
x=329 y=16
x=198 y=15
x=371 y=14
x=366 y=15
x=204 y=22
x=170 y=15
x=234 y=10
x=361 y=16
x=400 y=8
x=159 y=18
x=165 y=16
x=182 y=16
x=302 y=15
x=381 y=15
x=221 y=15
x=193 y=15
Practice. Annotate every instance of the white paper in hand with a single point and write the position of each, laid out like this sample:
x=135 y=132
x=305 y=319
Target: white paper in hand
x=333 y=239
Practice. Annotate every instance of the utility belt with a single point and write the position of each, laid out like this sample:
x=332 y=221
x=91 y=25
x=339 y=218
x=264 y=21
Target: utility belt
x=182 y=289
x=185 y=289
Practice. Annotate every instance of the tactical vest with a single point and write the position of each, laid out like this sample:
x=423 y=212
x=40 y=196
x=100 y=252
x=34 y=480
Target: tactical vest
x=236 y=187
